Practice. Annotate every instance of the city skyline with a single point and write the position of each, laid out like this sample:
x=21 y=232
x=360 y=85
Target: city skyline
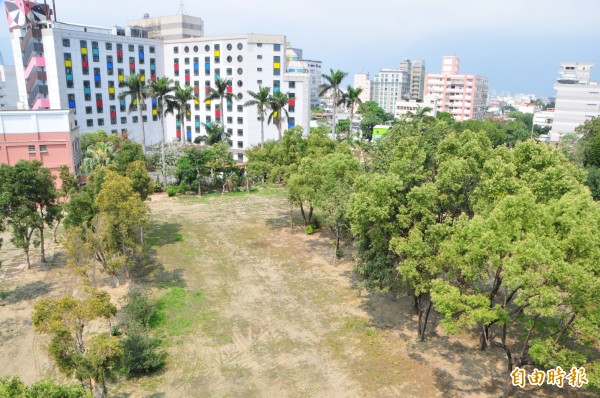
x=518 y=47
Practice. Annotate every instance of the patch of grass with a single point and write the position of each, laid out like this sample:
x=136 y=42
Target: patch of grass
x=3 y=294
x=269 y=190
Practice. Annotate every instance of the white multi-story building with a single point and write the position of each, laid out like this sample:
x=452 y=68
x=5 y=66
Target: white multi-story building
x=69 y=66
x=9 y=91
x=406 y=107
x=314 y=69
x=464 y=96
x=389 y=86
x=577 y=98
x=416 y=71
x=363 y=81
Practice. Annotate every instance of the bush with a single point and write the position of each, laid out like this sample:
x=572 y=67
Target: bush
x=171 y=191
x=141 y=354
x=46 y=388
x=138 y=309
x=309 y=230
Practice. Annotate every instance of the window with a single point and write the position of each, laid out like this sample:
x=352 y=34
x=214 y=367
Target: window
x=259 y=69
x=229 y=46
x=131 y=48
x=175 y=50
x=186 y=61
x=134 y=119
x=100 y=122
x=123 y=120
x=229 y=71
x=259 y=45
x=240 y=58
x=292 y=84
x=240 y=96
x=97 y=78
x=99 y=105
x=240 y=83
x=31 y=148
x=151 y=49
x=240 y=108
x=95 y=52
x=87 y=91
x=195 y=49
x=229 y=119
x=43 y=149
x=141 y=54
x=277 y=47
x=240 y=132
x=207 y=48
x=90 y=122
x=259 y=56
x=240 y=120
x=119 y=53
x=240 y=144
x=240 y=157
x=259 y=82
x=88 y=110
x=229 y=59
x=66 y=43
x=240 y=46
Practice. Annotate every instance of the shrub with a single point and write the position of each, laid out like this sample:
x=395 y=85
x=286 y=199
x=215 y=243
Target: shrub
x=309 y=230
x=142 y=354
x=171 y=191
x=138 y=309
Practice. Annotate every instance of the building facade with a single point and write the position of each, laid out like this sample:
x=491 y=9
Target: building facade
x=50 y=136
x=69 y=66
x=416 y=73
x=406 y=108
x=463 y=96
x=363 y=81
x=9 y=91
x=577 y=98
x=389 y=86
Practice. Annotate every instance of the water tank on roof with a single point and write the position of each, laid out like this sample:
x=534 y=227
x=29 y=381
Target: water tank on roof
x=568 y=78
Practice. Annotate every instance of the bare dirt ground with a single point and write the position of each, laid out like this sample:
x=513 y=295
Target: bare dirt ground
x=265 y=313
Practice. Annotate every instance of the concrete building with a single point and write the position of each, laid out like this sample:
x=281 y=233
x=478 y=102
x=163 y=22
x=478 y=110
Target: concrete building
x=50 y=136
x=416 y=71
x=70 y=66
x=577 y=98
x=363 y=81
x=9 y=91
x=389 y=86
x=406 y=107
x=314 y=69
x=170 y=27
x=464 y=96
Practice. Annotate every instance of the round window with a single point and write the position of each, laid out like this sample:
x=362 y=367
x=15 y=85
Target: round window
x=186 y=49
x=240 y=71
x=195 y=49
x=207 y=48
x=240 y=58
x=229 y=59
x=240 y=96
x=240 y=46
x=229 y=46
x=240 y=83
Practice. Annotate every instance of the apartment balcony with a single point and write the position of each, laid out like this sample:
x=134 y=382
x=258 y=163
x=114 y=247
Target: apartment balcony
x=35 y=78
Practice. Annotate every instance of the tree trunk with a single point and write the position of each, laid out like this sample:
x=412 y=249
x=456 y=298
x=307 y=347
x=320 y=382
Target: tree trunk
x=54 y=232
x=162 y=152
x=262 y=130
x=140 y=106
x=279 y=126
x=350 y=128
x=116 y=279
x=337 y=243
x=41 y=229
x=334 y=114
x=484 y=338
x=199 y=184
x=182 y=121
x=27 y=258
x=310 y=213
x=423 y=319
x=303 y=215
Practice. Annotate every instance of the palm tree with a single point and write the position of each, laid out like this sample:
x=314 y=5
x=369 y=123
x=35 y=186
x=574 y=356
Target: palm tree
x=161 y=90
x=351 y=98
x=221 y=93
x=277 y=103
x=214 y=133
x=334 y=80
x=99 y=154
x=261 y=101
x=181 y=103
x=135 y=87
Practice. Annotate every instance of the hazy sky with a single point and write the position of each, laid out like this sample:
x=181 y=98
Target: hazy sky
x=517 y=44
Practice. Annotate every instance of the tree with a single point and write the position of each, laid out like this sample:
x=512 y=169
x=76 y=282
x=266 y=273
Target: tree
x=135 y=88
x=64 y=319
x=193 y=166
x=28 y=202
x=277 y=103
x=161 y=89
x=98 y=155
x=68 y=185
x=367 y=124
x=138 y=174
x=351 y=98
x=180 y=103
x=92 y=138
x=46 y=388
x=332 y=85
x=261 y=101
x=214 y=133
x=128 y=152
x=222 y=92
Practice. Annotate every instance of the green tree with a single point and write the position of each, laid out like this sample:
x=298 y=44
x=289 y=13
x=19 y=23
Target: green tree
x=161 y=90
x=93 y=137
x=332 y=85
x=97 y=155
x=136 y=88
x=46 y=388
x=343 y=126
x=68 y=185
x=141 y=353
x=222 y=92
x=180 y=103
x=193 y=166
x=28 y=202
x=214 y=133
x=261 y=101
x=277 y=103
x=138 y=174
x=128 y=152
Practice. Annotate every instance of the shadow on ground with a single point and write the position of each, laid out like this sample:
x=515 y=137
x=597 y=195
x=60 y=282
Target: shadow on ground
x=27 y=292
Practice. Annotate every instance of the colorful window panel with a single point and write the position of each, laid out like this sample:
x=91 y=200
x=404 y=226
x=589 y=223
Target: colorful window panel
x=110 y=65
x=197 y=124
x=85 y=64
x=99 y=103
x=196 y=66
x=154 y=109
x=69 y=70
x=141 y=54
x=152 y=69
x=113 y=114
x=121 y=74
x=131 y=65
x=277 y=65
x=71 y=98
x=276 y=86
x=122 y=105
x=97 y=78
x=95 y=52
x=119 y=53
x=111 y=90
x=87 y=91
x=176 y=66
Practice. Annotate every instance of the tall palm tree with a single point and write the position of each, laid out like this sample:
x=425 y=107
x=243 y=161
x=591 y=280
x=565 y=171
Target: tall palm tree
x=135 y=88
x=277 y=103
x=180 y=103
x=334 y=80
x=221 y=93
x=261 y=101
x=161 y=90
x=214 y=133
x=351 y=98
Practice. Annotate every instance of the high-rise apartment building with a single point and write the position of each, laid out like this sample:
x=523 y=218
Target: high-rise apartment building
x=463 y=96
x=9 y=91
x=296 y=64
x=69 y=66
x=389 y=86
x=577 y=98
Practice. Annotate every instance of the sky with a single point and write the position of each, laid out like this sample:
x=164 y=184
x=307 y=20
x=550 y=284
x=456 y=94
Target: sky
x=517 y=44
